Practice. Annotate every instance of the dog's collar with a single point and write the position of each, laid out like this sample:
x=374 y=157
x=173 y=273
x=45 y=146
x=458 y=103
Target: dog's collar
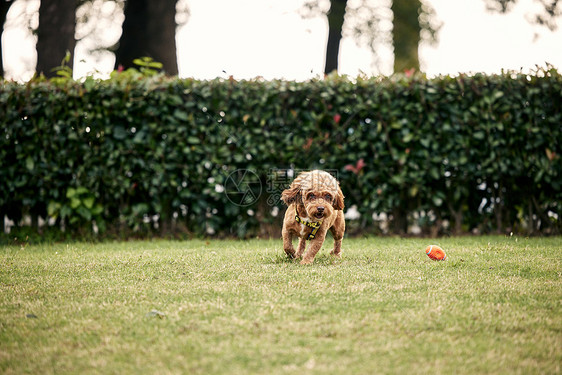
x=315 y=225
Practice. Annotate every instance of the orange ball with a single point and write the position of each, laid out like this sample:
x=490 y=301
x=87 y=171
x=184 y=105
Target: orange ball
x=435 y=252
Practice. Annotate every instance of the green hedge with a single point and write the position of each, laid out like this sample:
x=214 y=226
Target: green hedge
x=142 y=155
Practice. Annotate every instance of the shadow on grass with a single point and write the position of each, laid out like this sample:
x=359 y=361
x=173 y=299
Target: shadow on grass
x=320 y=260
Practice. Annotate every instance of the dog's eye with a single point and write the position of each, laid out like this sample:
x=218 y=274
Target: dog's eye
x=328 y=197
x=311 y=197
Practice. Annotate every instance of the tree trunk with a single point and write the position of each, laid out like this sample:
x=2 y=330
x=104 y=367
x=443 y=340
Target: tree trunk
x=336 y=16
x=57 y=22
x=4 y=7
x=149 y=30
x=406 y=34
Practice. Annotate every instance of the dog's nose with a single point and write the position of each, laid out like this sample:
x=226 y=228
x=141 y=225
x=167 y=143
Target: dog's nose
x=320 y=209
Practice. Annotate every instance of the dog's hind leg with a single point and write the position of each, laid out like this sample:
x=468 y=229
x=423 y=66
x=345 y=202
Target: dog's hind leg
x=337 y=247
x=337 y=232
x=300 y=249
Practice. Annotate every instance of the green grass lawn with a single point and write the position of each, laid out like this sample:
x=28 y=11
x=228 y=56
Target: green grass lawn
x=240 y=307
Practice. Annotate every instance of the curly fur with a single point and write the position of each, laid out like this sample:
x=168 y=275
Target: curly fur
x=315 y=196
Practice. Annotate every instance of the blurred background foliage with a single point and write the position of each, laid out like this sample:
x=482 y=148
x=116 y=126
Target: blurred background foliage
x=142 y=154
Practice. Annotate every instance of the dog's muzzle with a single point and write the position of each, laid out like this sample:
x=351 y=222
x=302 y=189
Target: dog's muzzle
x=319 y=212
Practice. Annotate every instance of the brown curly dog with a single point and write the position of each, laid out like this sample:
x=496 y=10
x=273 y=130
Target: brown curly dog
x=315 y=203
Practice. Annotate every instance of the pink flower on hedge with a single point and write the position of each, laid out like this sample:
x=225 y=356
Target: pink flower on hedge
x=337 y=118
x=357 y=167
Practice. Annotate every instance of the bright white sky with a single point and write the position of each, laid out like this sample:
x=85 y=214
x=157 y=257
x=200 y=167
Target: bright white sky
x=268 y=38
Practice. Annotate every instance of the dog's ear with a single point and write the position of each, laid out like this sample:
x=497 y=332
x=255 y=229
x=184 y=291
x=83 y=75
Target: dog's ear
x=338 y=201
x=291 y=195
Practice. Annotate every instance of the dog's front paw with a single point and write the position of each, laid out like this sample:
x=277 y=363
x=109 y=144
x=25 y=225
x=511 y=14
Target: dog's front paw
x=337 y=255
x=290 y=253
x=307 y=261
